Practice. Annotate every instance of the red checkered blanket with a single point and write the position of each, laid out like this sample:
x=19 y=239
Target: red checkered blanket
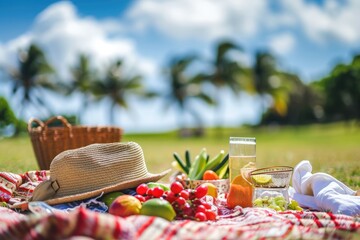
x=247 y=223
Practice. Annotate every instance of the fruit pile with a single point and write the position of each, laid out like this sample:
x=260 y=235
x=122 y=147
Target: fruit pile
x=192 y=204
x=176 y=202
x=201 y=203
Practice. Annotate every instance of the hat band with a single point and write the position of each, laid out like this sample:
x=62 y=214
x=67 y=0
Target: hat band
x=55 y=186
x=45 y=190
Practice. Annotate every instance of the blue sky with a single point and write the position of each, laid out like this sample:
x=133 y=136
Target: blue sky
x=307 y=37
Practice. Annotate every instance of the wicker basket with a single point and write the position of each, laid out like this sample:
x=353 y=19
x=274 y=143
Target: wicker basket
x=49 y=141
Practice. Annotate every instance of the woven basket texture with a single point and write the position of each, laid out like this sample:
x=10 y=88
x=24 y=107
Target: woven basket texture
x=49 y=141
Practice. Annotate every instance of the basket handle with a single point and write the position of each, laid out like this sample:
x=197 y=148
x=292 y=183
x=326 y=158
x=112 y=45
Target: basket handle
x=60 y=118
x=39 y=122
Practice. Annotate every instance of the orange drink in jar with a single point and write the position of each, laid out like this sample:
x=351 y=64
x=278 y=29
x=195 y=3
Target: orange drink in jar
x=242 y=159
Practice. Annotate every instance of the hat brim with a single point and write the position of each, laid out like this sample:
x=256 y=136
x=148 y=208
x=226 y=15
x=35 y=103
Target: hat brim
x=117 y=187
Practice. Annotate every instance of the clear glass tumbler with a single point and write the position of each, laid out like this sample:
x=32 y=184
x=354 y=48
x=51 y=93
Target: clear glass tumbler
x=271 y=187
x=242 y=159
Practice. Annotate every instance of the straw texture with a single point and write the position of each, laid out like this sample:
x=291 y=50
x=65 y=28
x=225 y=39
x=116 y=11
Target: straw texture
x=49 y=141
x=89 y=171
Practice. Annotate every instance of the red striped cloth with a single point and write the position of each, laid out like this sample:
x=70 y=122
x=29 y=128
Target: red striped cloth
x=249 y=223
x=16 y=188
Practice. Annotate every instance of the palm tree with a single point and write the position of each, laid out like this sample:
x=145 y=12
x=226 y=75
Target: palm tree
x=183 y=88
x=269 y=82
x=116 y=87
x=82 y=79
x=227 y=73
x=303 y=103
x=33 y=75
x=341 y=89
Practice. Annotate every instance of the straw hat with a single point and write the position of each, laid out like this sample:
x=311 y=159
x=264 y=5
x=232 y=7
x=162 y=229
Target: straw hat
x=89 y=171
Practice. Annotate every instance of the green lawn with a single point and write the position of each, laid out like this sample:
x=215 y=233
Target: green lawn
x=331 y=148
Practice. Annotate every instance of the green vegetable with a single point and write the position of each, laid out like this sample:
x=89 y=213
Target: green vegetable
x=199 y=163
x=222 y=163
x=207 y=158
x=187 y=159
x=211 y=164
x=226 y=175
x=176 y=166
x=181 y=163
x=222 y=167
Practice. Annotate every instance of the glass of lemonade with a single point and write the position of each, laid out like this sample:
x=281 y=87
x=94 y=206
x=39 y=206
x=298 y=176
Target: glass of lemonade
x=242 y=159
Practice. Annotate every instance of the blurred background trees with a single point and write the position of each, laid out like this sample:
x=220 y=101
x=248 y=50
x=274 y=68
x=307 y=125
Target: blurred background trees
x=82 y=81
x=226 y=73
x=185 y=87
x=285 y=98
x=32 y=76
x=117 y=87
x=341 y=90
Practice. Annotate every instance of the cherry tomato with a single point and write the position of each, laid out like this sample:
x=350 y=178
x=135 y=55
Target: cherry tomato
x=200 y=208
x=181 y=201
x=157 y=192
x=142 y=189
x=210 y=215
x=170 y=196
x=210 y=175
x=201 y=191
x=176 y=187
x=185 y=194
x=141 y=198
x=200 y=216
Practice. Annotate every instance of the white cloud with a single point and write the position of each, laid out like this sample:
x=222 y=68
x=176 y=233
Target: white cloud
x=243 y=19
x=282 y=43
x=63 y=34
x=8 y=51
x=200 y=19
x=334 y=20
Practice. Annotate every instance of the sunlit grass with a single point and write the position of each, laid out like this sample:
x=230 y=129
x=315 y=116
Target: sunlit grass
x=331 y=148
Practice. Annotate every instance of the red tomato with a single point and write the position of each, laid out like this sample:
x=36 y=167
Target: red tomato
x=210 y=175
x=210 y=215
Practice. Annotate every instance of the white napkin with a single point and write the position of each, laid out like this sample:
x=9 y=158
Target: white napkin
x=321 y=191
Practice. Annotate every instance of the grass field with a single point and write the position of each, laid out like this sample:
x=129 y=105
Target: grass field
x=331 y=148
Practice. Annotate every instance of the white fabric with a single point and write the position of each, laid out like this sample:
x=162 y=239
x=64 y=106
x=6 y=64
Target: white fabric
x=321 y=191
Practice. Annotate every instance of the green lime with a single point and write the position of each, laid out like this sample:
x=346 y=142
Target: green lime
x=262 y=179
x=156 y=184
x=108 y=198
x=159 y=208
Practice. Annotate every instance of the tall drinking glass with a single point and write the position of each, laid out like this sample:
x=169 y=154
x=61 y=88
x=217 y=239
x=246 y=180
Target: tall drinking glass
x=242 y=159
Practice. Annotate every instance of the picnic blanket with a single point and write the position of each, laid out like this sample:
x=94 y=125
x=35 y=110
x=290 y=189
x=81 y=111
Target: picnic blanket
x=240 y=223
x=247 y=223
